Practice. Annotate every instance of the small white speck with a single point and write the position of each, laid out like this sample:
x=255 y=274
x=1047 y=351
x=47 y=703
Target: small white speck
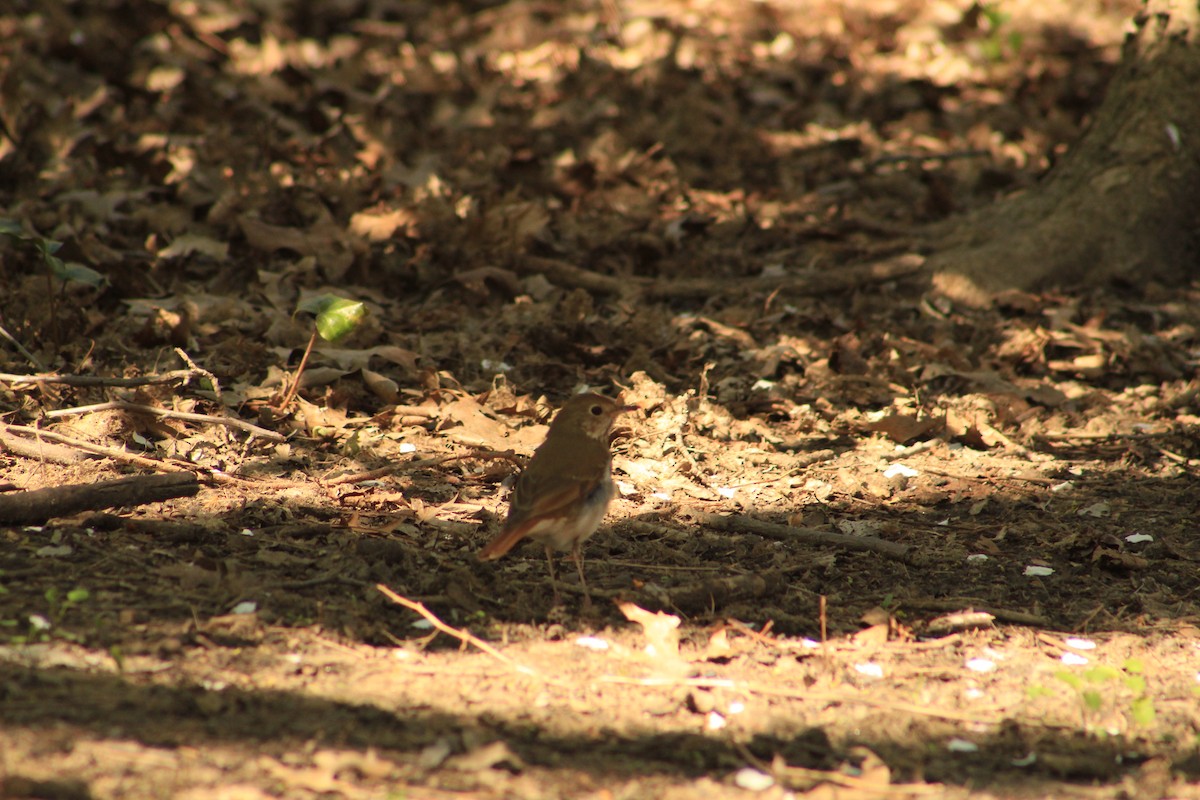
x=38 y=622
x=592 y=643
x=737 y=707
x=1081 y=644
x=1138 y=538
x=246 y=532
x=1061 y=487
x=1173 y=135
x=869 y=669
x=408 y=447
x=901 y=470
x=714 y=721
x=625 y=488
x=495 y=366
x=962 y=746
x=1038 y=572
x=981 y=665
x=977 y=558
x=752 y=780
x=1073 y=659
x=245 y=607
x=422 y=625
x=661 y=496
x=726 y=491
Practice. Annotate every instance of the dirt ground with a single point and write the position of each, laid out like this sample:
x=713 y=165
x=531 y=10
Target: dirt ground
x=868 y=543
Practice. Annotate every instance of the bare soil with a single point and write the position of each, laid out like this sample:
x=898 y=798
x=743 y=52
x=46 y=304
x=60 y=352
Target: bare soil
x=713 y=209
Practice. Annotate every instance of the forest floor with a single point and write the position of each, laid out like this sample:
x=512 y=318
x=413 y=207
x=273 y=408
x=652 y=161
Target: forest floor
x=868 y=542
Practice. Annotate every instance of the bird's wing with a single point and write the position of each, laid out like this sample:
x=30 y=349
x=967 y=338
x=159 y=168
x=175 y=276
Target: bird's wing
x=540 y=495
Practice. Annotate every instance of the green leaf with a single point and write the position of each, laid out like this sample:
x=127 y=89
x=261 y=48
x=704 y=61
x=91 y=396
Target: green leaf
x=47 y=247
x=1134 y=665
x=72 y=272
x=340 y=319
x=1102 y=673
x=1142 y=711
x=1136 y=683
x=1092 y=699
x=1069 y=678
x=78 y=595
x=11 y=227
x=317 y=303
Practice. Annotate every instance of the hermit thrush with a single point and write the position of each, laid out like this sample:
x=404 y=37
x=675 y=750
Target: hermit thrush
x=565 y=490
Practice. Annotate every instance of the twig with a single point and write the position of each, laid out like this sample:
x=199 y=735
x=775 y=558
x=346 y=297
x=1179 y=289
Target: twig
x=566 y=274
x=463 y=636
x=109 y=452
x=42 y=451
x=787 y=533
x=383 y=472
x=20 y=348
x=27 y=508
x=165 y=413
x=960 y=603
x=98 y=380
x=294 y=386
x=216 y=384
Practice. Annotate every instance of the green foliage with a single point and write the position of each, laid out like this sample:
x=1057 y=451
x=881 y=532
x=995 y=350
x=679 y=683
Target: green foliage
x=998 y=43
x=41 y=627
x=1104 y=682
x=65 y=271
x=337 y=317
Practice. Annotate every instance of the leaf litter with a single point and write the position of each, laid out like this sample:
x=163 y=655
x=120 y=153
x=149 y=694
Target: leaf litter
x=715 y=210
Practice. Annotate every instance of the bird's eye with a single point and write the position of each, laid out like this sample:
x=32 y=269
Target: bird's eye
x=597 y=411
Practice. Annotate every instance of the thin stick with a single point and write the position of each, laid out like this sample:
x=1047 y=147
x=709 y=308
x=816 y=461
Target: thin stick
x=110 y=452
x=295 y=384
x=463 y=636
x=383 y=472
x=98 y=380
x=216 y=384
x=164 y=413
x=20 y=348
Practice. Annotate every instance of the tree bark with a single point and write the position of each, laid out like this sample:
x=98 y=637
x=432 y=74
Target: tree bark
x=1124 y=205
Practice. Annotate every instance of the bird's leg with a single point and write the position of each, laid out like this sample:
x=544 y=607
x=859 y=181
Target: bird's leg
x=553 y=578
x=577 y=554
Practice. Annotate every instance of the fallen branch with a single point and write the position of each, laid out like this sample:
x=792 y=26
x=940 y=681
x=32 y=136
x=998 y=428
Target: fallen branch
x=564 y=273
x=166 y=413
x=787 y=533
x=40 y=505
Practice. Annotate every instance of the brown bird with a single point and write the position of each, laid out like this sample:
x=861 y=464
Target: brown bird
x=565 y=490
